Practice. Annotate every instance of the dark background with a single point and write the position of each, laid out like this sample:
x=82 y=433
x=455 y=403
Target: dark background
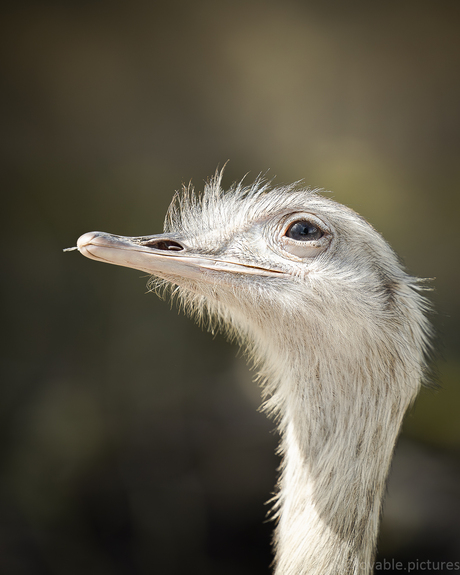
x=130 y=438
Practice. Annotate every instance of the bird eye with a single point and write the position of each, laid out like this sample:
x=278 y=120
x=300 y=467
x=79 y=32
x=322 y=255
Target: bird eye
x=304 y=231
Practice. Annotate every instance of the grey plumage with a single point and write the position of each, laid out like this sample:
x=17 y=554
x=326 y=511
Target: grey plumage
x=337 y=328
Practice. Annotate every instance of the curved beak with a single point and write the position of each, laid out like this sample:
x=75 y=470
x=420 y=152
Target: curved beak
x=161 y=255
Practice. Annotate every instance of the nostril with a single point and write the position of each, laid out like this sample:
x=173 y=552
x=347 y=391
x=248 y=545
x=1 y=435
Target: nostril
x=167 y=245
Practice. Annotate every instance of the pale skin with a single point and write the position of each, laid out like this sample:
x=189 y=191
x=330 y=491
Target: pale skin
x=338 y=330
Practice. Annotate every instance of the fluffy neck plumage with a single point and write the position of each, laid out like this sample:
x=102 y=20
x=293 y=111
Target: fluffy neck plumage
x=340 y=377
x=340 y=412
x=339 y=429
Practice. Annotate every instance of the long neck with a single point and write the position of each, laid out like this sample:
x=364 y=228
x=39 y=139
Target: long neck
x=339 y=384
x=338 y=440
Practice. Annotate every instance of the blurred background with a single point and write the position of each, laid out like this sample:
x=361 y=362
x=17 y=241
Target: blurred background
x=130 y=438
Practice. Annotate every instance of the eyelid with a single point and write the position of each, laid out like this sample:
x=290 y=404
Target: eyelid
x=298 y=250
x=305 y=216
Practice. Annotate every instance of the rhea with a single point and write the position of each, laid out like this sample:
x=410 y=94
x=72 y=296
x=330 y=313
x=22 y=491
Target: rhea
x=337 y=328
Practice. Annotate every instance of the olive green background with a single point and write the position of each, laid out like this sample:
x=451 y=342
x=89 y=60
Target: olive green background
x=131 y=441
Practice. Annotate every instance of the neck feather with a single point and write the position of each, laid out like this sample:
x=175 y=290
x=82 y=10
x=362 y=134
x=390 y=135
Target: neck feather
x=338 y=438
x=339 y=384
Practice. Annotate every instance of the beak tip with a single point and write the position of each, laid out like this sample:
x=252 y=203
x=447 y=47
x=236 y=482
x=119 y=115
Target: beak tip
x=86 y=239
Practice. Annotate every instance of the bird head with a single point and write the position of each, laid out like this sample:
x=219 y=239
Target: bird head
x=285 y=266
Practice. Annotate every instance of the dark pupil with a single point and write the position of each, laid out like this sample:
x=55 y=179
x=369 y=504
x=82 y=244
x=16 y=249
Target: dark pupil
x=304 y=231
